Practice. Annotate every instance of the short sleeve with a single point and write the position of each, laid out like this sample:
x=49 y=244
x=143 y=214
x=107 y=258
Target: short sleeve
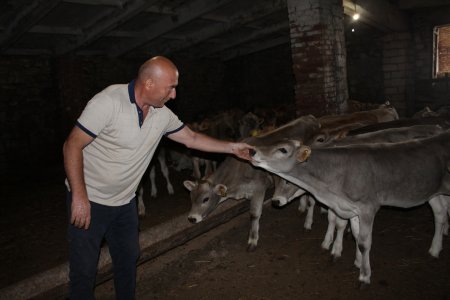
x=96 y=115
x=174 y=124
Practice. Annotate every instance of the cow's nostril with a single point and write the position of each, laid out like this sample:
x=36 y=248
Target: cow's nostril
x=192 y=219
x=276 y=202
x=252 y=152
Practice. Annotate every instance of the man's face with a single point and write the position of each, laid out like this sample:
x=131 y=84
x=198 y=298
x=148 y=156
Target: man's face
x=163 y=89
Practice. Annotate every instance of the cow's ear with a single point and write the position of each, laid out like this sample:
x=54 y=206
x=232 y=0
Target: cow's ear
x=221 y=190
x=297 y=143
x=190 y=185
x=303 y=153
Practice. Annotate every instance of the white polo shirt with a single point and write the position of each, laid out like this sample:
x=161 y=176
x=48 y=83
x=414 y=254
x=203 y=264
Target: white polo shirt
x=124 y=143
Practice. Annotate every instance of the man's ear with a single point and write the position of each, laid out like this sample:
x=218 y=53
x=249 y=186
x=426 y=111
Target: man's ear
x=303 y=153
x=148 y=83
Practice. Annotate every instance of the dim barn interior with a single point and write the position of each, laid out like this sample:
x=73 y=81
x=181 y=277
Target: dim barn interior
x=340 y=77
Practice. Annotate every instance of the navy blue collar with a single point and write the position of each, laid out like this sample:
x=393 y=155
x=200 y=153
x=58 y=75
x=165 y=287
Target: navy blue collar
x=131 y=91
x=133 y=100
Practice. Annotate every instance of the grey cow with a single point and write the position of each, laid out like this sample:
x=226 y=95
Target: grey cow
x=237 y=179
x=285 y=191
x=356 y=180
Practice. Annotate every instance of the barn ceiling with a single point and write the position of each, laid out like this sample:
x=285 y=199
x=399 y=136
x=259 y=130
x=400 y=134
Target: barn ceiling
x=198 y=28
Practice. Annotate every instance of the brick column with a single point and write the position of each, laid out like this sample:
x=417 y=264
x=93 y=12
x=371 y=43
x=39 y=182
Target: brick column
x=318 y=56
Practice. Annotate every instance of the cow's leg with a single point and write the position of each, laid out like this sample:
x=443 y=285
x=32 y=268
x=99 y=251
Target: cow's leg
x=341 y=224
x=303 y=203
x=154 y=190
x=329 y=235
x=165 y=171
x=309 y=215
x=364 y=244
x=440 y=218
x=196 y=167
x=256 y=206
x=209 y=169
x=354 y=224
x=445 y=200
x=141 y=205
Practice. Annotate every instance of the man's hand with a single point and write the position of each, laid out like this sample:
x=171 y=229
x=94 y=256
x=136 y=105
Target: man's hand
x=241 y=150
x=81 y=213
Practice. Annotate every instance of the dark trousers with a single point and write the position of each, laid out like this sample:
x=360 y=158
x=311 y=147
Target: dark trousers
x=118 y=225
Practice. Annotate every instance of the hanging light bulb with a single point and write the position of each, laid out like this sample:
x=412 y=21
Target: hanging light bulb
x=355 y=14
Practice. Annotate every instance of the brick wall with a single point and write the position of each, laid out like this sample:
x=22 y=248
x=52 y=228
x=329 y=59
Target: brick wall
x=364 y=63
x=318 y=56
x=427 y=91
x=398 y=70
x=261 y=79
x=29 y=112
x=41 y=97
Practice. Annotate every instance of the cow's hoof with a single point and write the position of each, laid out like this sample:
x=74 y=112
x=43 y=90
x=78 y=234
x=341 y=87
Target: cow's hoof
x=334 y=259
x=362 y=286
x=251 y=248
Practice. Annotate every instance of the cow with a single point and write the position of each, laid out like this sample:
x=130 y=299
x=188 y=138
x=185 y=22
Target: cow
x=161 y=157
x=356 y=180
x=388 y=135
x=206 y=193
x=249 y=125
x=444 y=122
x=238 y=179
x=331 y=127
x=384 y=113
x=285 y=191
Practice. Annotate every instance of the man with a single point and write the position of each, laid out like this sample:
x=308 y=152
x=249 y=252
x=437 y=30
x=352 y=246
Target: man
x=105 y=156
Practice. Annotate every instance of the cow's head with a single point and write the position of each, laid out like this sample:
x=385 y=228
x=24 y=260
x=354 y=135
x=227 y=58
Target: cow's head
x=205 y=196
x=281 y=156
x=285 y=192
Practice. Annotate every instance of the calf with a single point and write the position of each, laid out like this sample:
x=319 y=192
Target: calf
x=332 y=127
x=358 y=119
x=403 y=174
x=237 y=179
x=161 y=156
x=286 y=192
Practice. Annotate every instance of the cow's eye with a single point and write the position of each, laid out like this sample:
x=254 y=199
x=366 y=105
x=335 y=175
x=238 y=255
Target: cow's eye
x=206 y=200
x=282 y=150
x=321 y=140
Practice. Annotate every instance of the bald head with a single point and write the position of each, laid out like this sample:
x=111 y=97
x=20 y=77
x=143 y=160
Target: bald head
x=156 y=82
x=155 y=68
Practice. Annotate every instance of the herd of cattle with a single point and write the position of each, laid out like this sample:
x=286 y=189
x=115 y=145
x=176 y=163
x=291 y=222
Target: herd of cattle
x=352 y=164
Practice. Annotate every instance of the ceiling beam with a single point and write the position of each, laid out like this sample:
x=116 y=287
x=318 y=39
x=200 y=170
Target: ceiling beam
x=16 y=51
x=183 y=14
x=28 y=16
x=257 y=47
x=257 y=36
x=379 y=14
x=117 y=3
x=243 y=17
x=413 y=4
x=107 y=23
x=56 y=30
